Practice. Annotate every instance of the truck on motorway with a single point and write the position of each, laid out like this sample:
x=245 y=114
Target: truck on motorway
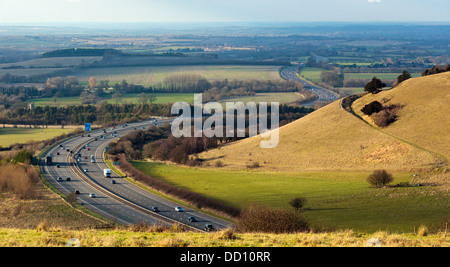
x=107 y=173
x=49 y=160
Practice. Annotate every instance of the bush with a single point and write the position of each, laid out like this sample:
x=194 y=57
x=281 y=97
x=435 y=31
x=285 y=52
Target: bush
x=253 y=165
x=383 y=118
x=380 y=178
x=219 y=164
x=298 y=203
x=266 y=220
x=374 y=85
x=18 y=179
x=373 y=107
x=386 y=116
x=436 y=69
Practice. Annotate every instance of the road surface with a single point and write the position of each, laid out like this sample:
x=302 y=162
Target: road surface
x=290 y=74
x=121 y=202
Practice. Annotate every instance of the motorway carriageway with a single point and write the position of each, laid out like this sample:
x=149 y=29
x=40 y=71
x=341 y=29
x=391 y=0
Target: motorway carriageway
x=122 y=202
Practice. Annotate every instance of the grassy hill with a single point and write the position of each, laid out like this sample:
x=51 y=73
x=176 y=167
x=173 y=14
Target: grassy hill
x=424 y=117
x=334 y=139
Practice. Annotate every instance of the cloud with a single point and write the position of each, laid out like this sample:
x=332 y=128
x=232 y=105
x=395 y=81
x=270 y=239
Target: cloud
x=374 y=1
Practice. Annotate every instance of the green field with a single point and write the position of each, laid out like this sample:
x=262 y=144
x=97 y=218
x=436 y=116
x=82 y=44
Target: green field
x=161 y=98
x=9 y=136
x=335 y=199
x=312 y=74
x=147 y=76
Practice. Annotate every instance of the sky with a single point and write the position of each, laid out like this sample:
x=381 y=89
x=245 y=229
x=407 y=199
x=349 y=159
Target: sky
x=36 y=11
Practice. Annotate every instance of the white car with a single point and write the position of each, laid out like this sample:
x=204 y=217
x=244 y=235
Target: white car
x=178 y=209
x=92 y=195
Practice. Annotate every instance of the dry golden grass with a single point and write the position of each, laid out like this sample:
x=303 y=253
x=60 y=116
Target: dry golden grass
x=424 y=118
x=333 y=139
x=226 y=238
x=45 y=210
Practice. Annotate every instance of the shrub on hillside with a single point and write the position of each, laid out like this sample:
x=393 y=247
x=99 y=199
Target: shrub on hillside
x=403 y=77
x=436 y=69
x=372 y=107
x=24 y=156
x=267 y=220
x=374 y=85
x=18 y=179
x=383 y=118
x=380 y=178
x=386 y=116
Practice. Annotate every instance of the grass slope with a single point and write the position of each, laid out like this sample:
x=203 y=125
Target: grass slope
x=336 y=200
x=424 y=118
x=127 y=238
x=333 y=139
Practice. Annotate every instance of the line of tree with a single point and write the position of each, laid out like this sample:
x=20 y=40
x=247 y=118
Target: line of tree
x=102 y=114
x=436 y=69
x=333 y=78
x=82 y=52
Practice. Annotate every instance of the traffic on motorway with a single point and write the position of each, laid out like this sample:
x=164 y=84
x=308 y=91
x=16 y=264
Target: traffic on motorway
x=77 y=166
x=290 y=74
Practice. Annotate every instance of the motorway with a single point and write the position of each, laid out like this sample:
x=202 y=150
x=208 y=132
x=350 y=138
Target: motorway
x=122 y=201
x=290 y=74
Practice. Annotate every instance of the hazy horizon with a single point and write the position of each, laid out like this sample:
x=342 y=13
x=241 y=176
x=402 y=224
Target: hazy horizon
x=221 y=11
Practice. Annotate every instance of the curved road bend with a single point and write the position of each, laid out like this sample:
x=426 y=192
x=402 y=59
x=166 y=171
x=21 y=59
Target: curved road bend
x=105 y=204
x=290 y=74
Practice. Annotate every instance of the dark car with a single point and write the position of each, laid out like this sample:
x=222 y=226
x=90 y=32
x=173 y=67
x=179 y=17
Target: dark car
x=155 y=209
x=113 y=181
x=58 y=166
x=192 y=219
x=77 y=192
x=68 y=179
x=209 y=228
